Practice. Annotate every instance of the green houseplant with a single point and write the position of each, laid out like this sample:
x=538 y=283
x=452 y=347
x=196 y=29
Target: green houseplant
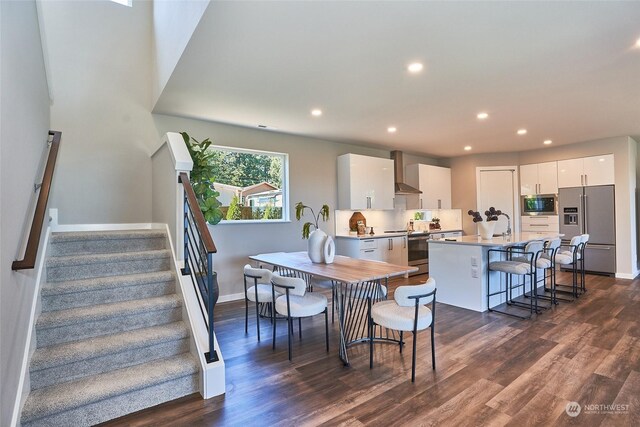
x=202 y=178
x=306 y=227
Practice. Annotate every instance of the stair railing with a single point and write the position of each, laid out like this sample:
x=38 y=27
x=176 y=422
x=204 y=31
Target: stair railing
x=31 y=252
x=198 y=260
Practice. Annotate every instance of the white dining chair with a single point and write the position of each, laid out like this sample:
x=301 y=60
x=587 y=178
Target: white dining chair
x=295 y=302
x=260 y=293
x=406 y=312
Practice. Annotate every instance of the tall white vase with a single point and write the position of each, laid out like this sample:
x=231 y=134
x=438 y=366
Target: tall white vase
x=316 y=245
x=486 y=229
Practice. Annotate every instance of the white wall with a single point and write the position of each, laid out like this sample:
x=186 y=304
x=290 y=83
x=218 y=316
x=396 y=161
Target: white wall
x=24 y=119
x=100 y=63
x=173 y=24
x=312 y=180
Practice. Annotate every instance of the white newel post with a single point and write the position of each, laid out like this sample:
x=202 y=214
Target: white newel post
x=168 y=161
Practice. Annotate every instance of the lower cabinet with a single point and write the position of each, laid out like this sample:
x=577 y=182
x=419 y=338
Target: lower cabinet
x=389 y=249
x=540 y=224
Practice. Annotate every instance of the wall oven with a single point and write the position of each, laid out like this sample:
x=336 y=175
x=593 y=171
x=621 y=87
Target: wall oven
x=541 y=204
x=419 y=252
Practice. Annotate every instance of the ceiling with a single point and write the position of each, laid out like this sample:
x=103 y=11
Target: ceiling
x=565 y=71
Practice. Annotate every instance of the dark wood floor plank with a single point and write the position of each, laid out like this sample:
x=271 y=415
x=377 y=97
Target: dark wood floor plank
x=542 y=410
x=620 y=361
x=628 y=399
x=596 y=390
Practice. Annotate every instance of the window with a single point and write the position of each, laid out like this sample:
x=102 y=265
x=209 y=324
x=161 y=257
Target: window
x=253 y=185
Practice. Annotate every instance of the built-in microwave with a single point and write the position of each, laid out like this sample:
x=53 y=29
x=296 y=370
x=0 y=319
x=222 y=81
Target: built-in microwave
x=541 y=204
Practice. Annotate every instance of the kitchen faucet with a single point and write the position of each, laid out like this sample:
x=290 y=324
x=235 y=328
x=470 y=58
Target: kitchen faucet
x=508 y=223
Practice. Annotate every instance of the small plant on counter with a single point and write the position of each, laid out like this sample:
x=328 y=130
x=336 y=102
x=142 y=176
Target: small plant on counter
x=306 y=227
x=492 y=214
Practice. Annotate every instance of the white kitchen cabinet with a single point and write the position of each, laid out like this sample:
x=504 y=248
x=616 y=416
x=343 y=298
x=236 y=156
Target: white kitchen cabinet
x=599 y=170
x=586 y=171
x=540 y=224
x=394 y=250
x=379 y=248
x=365 y=182
x=539 y=178
x=435 y=184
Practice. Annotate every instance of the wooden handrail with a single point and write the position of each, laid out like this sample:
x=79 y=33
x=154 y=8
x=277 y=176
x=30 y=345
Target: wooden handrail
x=31 y=253
x=201 y=224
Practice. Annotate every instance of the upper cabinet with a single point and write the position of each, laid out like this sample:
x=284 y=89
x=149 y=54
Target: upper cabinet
x=587 y=171
x=365 y=182
x=539 y=178
x=435 y=184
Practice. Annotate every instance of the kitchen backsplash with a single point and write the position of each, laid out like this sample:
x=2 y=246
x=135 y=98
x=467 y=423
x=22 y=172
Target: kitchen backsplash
x=450 y=219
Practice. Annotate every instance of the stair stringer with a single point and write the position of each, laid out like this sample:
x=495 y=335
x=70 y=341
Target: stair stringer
x=212 y=375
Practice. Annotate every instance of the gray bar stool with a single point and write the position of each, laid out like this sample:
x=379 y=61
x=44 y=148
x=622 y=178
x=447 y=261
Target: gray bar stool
x=520 y=262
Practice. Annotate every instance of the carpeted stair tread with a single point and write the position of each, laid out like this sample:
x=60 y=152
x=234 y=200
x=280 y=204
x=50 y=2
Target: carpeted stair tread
x=98 y=388
x=75 y=236
x=74 y=260
x=107 y=282
x=62 y=354
x=72 y=316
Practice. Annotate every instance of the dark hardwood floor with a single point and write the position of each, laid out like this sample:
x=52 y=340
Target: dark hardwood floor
x=491 y=370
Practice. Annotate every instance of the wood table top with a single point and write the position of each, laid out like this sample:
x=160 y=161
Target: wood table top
x=343 y=269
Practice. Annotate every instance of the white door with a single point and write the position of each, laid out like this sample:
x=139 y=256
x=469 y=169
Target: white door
x=496 y=188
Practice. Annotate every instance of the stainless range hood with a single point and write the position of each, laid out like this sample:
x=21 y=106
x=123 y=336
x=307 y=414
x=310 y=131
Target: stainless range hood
x=398 y=168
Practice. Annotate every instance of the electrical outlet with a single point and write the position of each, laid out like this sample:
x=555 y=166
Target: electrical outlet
x=474 y=272
x=474 y=261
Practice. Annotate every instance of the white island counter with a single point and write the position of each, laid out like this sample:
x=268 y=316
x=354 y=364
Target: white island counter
x=459 y=267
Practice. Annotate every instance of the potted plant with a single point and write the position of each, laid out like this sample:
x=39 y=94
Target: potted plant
x=487 y=228
x=202 y=178
x=318 y=239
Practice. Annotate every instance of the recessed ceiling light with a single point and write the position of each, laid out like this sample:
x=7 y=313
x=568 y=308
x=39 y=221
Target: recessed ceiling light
x=467 y=148
x=601 y=159
x=638 y=43
x=415 y=67
x=547 y=142
x=482 y=116
x=316 y=112
x=522 y=131
x=391 y=129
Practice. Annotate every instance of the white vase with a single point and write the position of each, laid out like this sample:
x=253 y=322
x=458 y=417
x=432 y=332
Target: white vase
x=486 y=229
x=329 y=250
x=316 y=246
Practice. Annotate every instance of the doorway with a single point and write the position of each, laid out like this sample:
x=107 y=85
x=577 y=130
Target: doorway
x=498 y=187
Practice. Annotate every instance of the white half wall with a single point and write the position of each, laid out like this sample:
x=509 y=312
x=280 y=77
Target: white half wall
x=24 y=126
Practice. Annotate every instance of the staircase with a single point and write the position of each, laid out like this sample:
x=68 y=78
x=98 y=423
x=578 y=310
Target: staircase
x=111 y=339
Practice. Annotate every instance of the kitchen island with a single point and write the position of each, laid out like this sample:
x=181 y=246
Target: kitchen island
x=459 y=267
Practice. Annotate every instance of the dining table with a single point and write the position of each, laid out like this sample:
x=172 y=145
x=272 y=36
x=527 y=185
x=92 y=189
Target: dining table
x=355 y=282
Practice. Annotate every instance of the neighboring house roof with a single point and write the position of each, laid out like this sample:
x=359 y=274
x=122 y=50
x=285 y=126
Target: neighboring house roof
x=220 y=186
x=261 y=187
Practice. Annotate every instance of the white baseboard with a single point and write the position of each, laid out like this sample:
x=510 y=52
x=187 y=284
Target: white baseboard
x=231 y=297
x=22 y=394
x=56 y=227
x=627 y=275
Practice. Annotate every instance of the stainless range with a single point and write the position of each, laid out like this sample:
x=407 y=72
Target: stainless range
x=419 y=252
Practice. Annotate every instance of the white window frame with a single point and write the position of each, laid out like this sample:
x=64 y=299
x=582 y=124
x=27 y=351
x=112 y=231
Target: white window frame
x=285 y=184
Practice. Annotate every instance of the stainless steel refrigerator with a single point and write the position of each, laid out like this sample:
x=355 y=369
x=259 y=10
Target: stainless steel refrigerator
x=591 y=210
